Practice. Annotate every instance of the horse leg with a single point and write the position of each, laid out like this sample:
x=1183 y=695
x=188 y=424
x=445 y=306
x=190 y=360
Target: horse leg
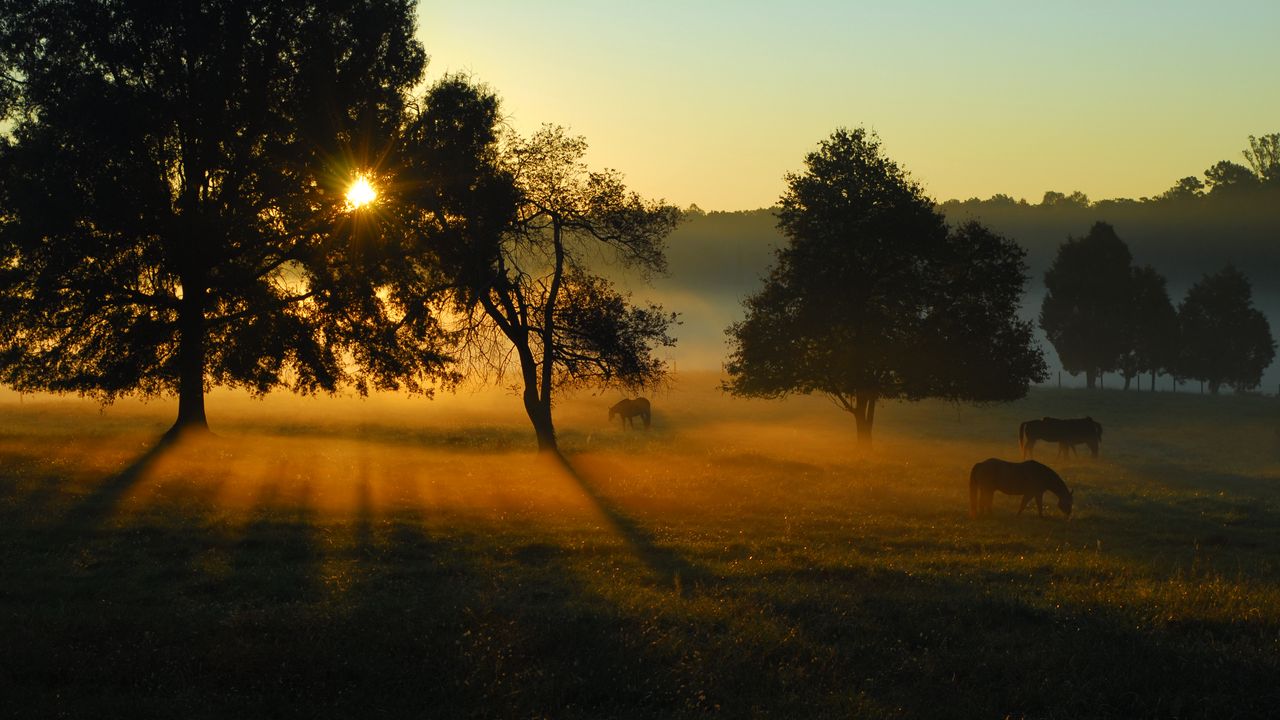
x=1040 y=504
x=1025 y=499
x=987 y=494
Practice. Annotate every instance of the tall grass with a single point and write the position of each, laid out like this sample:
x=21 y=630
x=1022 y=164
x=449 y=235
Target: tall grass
x=393 y=557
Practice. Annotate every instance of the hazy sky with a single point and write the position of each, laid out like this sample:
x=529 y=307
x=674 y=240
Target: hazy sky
x=712 y=101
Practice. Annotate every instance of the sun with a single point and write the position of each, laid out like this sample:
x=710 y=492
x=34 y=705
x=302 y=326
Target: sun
x=361 y=193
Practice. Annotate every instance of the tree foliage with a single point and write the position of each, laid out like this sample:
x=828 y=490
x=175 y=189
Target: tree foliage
x=873 y=297
x=1086 y=306
x=1152 y=327
x=171 y=181
x=1225 y=340
x=1263 y=156
x=1225 y=176
x=514 y=230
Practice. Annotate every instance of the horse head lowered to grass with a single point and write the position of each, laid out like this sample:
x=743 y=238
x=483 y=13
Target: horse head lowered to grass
x=629 y=409
x=1029 y=479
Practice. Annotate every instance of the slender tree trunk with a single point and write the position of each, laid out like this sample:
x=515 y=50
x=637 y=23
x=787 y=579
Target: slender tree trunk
x=191 y=360
x=1153 y=381
x=1128 y=379
x=1091 y=379
x=538 y=396
x=537 y=400
x=540 y=415
x=1214 y=386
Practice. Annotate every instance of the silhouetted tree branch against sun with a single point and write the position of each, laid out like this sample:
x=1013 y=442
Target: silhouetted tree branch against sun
x=511 y=227
x=171 y=186
x=874 y=298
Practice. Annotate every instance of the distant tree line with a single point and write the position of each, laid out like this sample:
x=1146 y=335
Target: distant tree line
x=1102 y=313
x=1226 y=214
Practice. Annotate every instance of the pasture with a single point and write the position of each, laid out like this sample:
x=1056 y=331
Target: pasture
x=401 y=557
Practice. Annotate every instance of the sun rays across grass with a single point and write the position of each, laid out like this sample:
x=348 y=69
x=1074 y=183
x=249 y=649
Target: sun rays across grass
x=420 y=558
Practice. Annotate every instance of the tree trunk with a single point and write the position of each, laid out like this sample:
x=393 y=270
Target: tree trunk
x=539 y=406
x=1091 y=379
x=1214 y=386
x=1127 y=380
x=191 y=359
x=1153 y=381
x=864 y=417
x=540 y=415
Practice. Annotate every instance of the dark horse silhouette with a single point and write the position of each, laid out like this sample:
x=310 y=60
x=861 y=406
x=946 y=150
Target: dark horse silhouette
x=1029 y=479
x=628 y=409
x=1067 y=433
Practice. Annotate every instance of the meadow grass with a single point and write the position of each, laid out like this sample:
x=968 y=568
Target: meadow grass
x=395 y=558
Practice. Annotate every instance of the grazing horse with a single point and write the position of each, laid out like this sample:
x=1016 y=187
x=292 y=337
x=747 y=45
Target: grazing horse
x=1029 y=479
x=628 y=409
x=1067 y=433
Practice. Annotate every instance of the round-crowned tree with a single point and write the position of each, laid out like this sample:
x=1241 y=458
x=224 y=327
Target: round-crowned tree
x=1225 y=340
x=171 y=192
x=874 y=298
x=1086 y=310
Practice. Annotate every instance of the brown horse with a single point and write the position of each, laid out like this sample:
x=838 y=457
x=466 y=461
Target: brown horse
x=1067 y=433
x=1029 y=479
x=629 y=409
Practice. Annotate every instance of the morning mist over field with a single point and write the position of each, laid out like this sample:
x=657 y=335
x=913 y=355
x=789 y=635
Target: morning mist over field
x=403 y=358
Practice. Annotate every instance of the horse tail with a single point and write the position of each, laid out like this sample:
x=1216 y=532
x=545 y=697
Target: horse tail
x=1022 y=439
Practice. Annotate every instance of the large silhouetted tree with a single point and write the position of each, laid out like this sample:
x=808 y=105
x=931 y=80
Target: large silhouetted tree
x=874 y=298
x=1086 y=307
x=507 y=237
x=1224 y=339
x=1152 y=330
x=171 y=178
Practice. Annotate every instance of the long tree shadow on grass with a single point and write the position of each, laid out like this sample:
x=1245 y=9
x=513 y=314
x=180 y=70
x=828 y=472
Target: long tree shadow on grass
x=104 y=498
x=670 y=567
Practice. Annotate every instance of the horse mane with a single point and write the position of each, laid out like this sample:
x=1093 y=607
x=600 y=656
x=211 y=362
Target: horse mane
x=1053 y=480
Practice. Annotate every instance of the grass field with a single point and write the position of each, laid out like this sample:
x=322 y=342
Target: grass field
x=397 y=557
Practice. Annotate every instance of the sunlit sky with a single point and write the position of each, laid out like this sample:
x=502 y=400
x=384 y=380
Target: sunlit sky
x=712 y=101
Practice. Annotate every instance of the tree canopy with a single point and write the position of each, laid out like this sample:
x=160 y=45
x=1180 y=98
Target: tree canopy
x=509 y=238
x=1085 y=309
x=1225 y=340
x=1152 y=327
x=171 y=181
x=873 y=297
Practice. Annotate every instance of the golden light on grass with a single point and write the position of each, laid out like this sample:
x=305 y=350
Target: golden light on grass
x=361 y=193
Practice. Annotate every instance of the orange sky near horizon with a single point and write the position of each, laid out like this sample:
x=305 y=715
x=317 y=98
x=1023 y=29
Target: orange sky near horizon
x=712 y=103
